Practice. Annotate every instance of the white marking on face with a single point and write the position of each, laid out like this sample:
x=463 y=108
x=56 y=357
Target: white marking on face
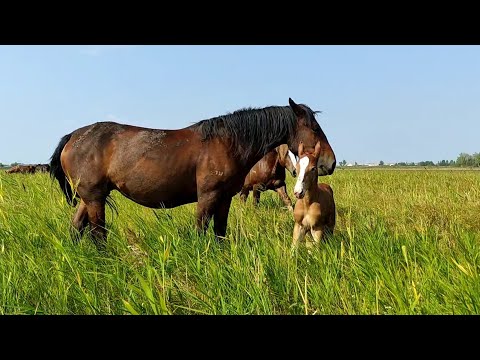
x=303 y=166
x=292 y=158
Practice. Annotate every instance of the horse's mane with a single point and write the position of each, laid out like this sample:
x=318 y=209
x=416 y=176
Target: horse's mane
x=252 y=131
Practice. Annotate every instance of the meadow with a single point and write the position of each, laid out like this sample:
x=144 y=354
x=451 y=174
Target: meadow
x=406 y=242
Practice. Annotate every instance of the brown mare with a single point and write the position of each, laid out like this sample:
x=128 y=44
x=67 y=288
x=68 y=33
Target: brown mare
x=205 y=163
x=315 y=207
x=22 y=169
x=269 y=174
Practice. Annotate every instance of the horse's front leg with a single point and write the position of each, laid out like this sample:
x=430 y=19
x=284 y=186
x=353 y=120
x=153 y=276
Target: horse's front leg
x=244 y=194
x=221 y=217
x=205 y=210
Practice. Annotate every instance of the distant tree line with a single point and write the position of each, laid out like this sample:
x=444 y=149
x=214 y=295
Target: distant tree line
x=463 y=160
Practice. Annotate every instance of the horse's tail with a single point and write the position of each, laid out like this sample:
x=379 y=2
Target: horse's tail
x=56 y=170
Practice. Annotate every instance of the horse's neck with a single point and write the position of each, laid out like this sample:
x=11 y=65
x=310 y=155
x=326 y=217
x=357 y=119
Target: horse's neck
x=280 y=162
x=276 y=164
x=311 y=195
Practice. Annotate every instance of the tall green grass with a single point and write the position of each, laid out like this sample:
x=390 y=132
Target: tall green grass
x=406 y=242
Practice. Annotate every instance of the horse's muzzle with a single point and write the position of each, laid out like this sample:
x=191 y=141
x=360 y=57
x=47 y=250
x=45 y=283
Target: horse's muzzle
x=328 y=169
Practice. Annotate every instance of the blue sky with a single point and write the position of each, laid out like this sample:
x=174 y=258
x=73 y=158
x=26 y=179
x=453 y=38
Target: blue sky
x=391 y=103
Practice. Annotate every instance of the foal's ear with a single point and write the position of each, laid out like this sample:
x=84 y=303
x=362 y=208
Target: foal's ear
x=297 y=109
x=317 y=149
x=300 y=149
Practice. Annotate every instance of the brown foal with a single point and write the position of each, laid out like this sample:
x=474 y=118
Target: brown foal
x=315 y=207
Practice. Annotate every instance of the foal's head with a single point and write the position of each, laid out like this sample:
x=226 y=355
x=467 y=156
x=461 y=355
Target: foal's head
x=307 y=170
x=287 y=159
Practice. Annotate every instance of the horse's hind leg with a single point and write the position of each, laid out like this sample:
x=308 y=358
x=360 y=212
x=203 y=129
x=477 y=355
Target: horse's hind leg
x=96 y=218
x=80 y=220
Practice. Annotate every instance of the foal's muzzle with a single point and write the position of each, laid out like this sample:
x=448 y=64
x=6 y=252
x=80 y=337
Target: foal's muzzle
x=299 y=195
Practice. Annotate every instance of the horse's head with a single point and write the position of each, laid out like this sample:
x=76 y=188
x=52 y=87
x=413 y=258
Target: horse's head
x=310 y=133
x=307 y=170
x=287 y=159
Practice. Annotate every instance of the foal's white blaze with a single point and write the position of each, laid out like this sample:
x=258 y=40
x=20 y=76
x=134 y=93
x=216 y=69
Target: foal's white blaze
x=299 y=184
x=292 y=158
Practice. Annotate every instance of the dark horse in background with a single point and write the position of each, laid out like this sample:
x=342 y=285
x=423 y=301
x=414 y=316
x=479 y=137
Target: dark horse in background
x=42 y=168
x=205 y=163
x=269 y=174
x=22 y=169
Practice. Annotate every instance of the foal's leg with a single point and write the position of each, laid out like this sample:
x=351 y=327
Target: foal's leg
x=282 y=192
x=80 y=220
x=221 y=218
x=96 y=218
x=317 y=235
x=330 y=224
x=298 y=234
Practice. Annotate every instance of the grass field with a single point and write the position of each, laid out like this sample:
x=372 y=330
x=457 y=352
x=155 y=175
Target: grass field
x=406 y=242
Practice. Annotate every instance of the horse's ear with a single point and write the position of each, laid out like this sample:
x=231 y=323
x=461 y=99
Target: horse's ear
x=300 y=149
x=317 y=150
x=297 y=109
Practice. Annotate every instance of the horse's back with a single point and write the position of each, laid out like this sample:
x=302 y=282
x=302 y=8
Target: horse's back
x=325 y=188
x=328 y=204
x=83 y=156
x=142 y=163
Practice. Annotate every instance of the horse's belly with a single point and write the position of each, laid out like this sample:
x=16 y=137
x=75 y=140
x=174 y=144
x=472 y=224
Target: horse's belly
x=162 y=199
x=158 y=194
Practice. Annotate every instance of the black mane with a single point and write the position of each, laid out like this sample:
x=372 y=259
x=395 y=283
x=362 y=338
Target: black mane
x=252 y=131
